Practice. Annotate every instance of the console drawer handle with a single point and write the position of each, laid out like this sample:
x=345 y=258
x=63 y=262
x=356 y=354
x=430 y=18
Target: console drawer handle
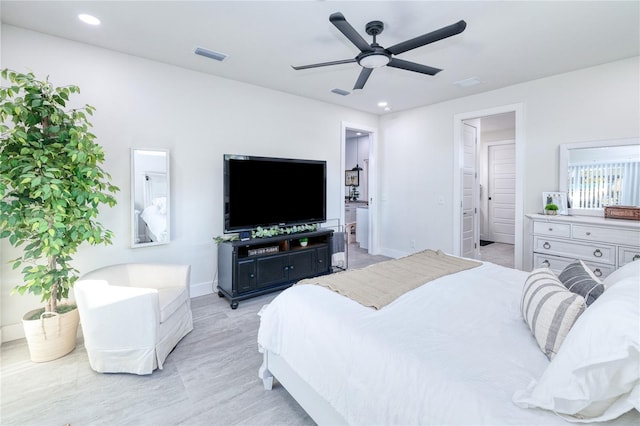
x=550 y=229
x=546 y=245
x=597 y=253
x=588 y=233
x=636 y=257
x=546 y=263
x=597 y=272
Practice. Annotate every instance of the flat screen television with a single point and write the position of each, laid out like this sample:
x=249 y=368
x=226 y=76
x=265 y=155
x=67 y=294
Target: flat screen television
x=267 y=191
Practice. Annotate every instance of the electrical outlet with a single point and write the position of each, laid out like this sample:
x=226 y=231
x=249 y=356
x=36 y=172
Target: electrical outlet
x=441 y=200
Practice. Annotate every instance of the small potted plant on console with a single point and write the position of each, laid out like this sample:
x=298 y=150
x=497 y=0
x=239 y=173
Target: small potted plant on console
x=304 y=241
x=551 y=209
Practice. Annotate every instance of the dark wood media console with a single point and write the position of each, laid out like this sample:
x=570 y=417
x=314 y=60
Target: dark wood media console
x=251 y=268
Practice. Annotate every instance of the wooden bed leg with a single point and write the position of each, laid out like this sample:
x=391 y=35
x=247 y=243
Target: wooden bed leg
x=264 y=373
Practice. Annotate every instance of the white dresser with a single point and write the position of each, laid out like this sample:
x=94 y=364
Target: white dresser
x=603 y=244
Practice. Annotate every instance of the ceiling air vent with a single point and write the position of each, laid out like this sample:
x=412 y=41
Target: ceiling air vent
x=210 y=54
x=340 y=92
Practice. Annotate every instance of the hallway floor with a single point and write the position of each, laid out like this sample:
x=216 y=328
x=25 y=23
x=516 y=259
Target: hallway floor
x=498 y=253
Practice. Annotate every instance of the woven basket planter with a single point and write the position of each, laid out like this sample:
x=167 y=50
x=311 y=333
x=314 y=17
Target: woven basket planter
x=52 y=336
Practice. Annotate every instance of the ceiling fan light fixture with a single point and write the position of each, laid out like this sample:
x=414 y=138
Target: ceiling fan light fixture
x=375 y=60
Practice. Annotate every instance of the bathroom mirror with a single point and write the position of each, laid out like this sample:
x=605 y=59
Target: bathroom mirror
x=150 y=202
x=600 y=173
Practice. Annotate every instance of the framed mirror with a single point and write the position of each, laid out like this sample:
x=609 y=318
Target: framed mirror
x=150 y=202
x=599 y=174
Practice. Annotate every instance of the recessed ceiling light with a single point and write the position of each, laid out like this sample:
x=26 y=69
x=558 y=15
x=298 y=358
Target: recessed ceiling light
x=387 y=109
x=382 y=104
x=89 y=19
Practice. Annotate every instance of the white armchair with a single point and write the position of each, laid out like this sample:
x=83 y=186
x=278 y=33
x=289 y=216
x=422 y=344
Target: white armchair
x=133 y=315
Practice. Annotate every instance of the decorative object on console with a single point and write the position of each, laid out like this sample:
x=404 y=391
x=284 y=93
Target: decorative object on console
x=303 y=242
x=551 y=209
x=622 y=212
x=559 y=199
x=52 y=185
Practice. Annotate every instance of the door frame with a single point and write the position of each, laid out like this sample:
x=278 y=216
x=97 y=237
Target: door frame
x=458 y=147
x=372 y=178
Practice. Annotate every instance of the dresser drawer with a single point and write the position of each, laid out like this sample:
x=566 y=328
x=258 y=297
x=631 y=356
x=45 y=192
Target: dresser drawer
x=557 y=265
x=555 y=229
x=613 y=236
x=600 y=253
x=627 y=255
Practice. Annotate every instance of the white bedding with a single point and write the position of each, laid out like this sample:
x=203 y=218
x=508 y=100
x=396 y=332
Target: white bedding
x=453 y=351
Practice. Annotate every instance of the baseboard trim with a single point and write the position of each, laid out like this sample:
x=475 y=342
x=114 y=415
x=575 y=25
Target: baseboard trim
x=12 y=332
x=202 y=289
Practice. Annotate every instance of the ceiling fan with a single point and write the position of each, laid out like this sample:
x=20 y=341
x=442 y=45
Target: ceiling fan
x=374 y=56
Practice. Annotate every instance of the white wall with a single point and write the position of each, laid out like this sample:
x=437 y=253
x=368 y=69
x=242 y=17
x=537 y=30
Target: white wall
x=198 y=117
x=416 y=151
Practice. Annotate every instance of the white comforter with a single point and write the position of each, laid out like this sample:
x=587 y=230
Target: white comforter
x=452 y=351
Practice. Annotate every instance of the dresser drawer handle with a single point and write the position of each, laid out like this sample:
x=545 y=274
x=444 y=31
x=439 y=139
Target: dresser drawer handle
x=636 y=257
x=546 y=245
x=588 y=233
x=550 y=229
x=597 y=253
x=597 y=272
x=546 y=263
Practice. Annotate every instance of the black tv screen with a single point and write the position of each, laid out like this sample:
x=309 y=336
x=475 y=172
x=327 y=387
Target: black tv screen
x=266 y=191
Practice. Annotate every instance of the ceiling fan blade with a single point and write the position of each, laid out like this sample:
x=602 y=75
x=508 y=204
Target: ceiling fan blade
x=412 y=66
x=349 y=32
x=324 y=64
x=431 y=37
x=362 y=79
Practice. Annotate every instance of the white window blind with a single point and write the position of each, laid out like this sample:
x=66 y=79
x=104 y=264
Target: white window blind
x=596 y=185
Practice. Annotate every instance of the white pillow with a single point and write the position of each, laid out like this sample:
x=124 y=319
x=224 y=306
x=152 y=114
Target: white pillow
x=631 y=269
x=596 y=374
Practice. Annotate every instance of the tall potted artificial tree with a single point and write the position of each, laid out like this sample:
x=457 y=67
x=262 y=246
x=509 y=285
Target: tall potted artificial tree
x=52 y=186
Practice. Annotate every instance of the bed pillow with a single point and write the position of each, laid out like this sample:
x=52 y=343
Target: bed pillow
x=549 y=309
x=595 y=375
x=631 y=269
x=578 y=278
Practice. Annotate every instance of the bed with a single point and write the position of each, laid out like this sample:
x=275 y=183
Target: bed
x=455 y=350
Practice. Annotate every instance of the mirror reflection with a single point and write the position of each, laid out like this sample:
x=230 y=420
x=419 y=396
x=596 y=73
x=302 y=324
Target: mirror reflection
x=600 y=174
x=149 y=197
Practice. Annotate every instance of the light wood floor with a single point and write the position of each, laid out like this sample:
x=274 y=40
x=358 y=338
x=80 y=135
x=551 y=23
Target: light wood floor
x=211 y=378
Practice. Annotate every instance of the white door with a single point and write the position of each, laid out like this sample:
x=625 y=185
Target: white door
x=502 y=193
x=470 y=238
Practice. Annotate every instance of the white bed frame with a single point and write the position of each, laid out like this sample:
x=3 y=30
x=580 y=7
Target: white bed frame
x=273 y=366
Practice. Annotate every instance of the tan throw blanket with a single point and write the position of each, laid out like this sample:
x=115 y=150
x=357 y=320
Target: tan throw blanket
x=380 y=284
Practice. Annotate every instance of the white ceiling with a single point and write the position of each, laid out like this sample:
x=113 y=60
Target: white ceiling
x=505 y=43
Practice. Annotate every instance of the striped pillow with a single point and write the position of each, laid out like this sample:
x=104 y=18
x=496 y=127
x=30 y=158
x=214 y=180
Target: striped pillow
x=549 y=309
x=578 y=278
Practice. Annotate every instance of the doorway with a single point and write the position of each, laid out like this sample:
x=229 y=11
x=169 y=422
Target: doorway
x=359 y=148
x=497 y=197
